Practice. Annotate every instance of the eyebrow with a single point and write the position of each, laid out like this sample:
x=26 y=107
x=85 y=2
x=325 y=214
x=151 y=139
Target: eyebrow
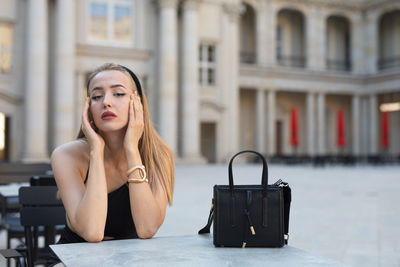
x=117 y=85
x=112 y=86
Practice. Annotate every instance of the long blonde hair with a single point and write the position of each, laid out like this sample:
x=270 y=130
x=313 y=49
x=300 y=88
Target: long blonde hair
x=155 y=153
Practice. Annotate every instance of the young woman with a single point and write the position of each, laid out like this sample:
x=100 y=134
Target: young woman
x=117 y=177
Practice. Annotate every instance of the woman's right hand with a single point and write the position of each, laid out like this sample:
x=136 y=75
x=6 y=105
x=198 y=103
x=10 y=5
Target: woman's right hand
x=94 y=139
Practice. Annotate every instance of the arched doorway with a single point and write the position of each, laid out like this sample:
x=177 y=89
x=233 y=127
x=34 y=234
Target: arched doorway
x=338 y=44
x=247 y=36
x=290 y=38
x=389 y=40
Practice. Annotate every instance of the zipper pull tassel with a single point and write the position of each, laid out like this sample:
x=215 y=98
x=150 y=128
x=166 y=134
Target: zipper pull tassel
x=253 y=232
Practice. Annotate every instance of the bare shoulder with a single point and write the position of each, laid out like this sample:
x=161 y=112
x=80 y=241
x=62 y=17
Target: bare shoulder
x=74 y=155
x=78 y=149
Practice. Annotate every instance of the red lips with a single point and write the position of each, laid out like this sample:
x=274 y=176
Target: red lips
x=108 y=115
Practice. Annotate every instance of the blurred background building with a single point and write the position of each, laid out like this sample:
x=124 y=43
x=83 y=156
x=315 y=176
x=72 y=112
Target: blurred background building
x=284 y=77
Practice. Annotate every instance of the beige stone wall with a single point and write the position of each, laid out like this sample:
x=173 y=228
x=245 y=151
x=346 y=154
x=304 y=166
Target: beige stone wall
x=247 y=122
x=8 y=9
x=254 y=95
x=339 y=87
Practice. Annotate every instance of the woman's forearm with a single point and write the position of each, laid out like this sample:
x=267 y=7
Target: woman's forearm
x=91 y=214
x=146 y=212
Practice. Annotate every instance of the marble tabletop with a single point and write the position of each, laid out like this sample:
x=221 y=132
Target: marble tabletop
x=196 y=250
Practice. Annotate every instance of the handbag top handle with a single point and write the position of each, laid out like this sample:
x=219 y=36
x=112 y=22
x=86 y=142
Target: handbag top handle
x=264 y=178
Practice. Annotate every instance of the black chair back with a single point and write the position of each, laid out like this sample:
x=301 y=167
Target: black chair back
x=41 y=206
x=44 y=180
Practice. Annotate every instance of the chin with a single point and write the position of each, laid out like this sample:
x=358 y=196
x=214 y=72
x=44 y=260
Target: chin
x=111 y=128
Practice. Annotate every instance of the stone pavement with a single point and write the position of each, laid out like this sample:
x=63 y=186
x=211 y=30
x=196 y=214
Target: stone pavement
x=348 y=214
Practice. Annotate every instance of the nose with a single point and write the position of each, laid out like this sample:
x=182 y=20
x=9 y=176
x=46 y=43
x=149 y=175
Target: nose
x=107 y=100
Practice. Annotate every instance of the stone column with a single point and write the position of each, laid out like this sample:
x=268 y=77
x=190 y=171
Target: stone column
x=373 y=125
x=140 y=32
x=310 y=123
x=36 y=83
x=190 y=82
x=261 y=121
x=271 y=14
x=271 y=132
x=371 y=42
x=315 y=39
x=356 y=124
x=64 y=73
x=262 y=34
x=167 y=72
x=364 y=126
x=321 y=123
x=231 y=83
x=79 y=100
x=357 y=42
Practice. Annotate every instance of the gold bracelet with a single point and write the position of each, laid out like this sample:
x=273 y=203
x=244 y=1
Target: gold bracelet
x=138 y=167
x=138 y=181
x=143 y=178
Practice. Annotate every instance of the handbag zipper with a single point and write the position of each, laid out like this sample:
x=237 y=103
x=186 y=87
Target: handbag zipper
x=247 y=213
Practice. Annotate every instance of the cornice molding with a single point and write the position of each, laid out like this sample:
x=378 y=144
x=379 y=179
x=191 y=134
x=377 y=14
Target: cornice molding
x=9 y=21
x=300 y=74
x=191 y=4
x=360 y=5
x=383 y=77
x=10 y=98
x=119 y=52
x=380 y=4
x=324 y=3
x=364 y=81
x=212 y=104
x=234 y=11
x=166 y=3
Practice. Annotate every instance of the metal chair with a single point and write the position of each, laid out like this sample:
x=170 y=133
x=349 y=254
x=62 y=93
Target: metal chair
x=10 y=218
x=10 y=207
x=40 y=207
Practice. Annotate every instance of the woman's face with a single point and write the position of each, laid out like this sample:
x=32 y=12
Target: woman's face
x=109 y=93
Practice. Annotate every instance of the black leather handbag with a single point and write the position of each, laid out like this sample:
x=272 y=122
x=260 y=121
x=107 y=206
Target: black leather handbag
x=250 y=215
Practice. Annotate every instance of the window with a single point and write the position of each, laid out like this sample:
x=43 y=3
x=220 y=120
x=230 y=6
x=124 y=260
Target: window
x=110 y=21
x=207 y=65
x=5 y=47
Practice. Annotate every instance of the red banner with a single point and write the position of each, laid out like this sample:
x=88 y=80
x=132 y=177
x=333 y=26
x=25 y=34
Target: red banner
x=341 y=137
x=385 y=129
x=294 y=139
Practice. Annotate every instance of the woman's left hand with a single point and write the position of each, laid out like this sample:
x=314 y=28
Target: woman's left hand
x=135 y=127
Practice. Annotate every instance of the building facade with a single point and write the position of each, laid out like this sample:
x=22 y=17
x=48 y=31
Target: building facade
x=220 y=75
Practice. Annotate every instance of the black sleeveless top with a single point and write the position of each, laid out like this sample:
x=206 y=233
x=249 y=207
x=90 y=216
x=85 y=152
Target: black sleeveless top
x=119 y=222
